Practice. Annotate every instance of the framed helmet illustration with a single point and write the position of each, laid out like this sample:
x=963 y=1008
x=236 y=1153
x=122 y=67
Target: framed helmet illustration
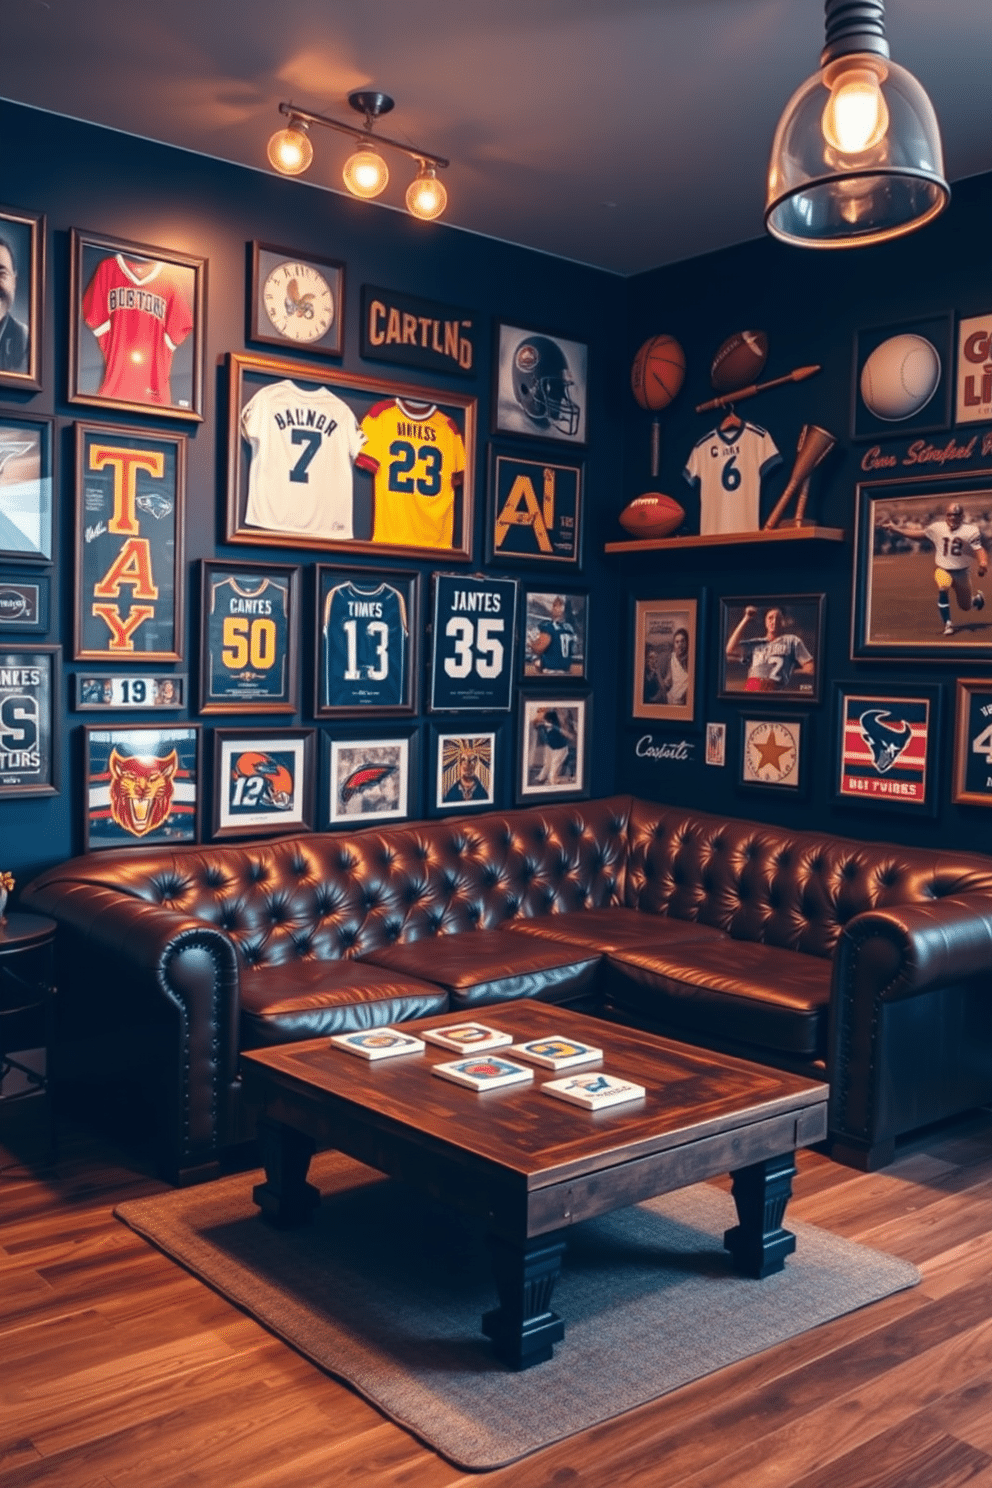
x=541 y=385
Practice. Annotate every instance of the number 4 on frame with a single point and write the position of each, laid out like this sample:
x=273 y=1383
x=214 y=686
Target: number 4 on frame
x=474 y=629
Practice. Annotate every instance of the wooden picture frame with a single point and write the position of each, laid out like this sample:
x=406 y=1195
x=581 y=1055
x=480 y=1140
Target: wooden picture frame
x=553 y=760
x=367 y=651
x=25 y=602
x=129 y=545
x=665 y=659
x=30 y=711
x=296 y=300
x=774 y=753
x=474 y=624
x=27 y=504
x=972 y=784
x=906 y=389
x=369 y=776
x=772 y=644
x=541 y=386
x=263 y=782
x=249 y=628
x=142 y=785
x=466 y=768
x=555 y=639
x=534 y=509
x=127 y=692
x=400 y=471
x=22 y=298
x=887 y=743
x=137 y=325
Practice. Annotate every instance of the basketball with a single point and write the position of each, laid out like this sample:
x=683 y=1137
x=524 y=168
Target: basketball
x=652 y=515
x=658 y=372
x=900 y=377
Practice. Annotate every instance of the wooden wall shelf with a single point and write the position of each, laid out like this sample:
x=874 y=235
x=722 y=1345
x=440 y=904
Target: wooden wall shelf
x=728 y=539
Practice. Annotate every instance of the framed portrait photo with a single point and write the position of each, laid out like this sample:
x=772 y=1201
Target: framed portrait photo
x=541 y=385
x=263 y=782
x=137 y=327
x=553 y=754
x=30 y=708
x=296 y=300
x=773 y=753
x=973 y=742
x=368 y=627
x=322 y=459
x=665 y=659
x=535 y=510
x=886 y=746
x=26 y=488
x=463 y=773
x=25 y=602
x=22 y=298
x=920 y=557
x=369 y=777
x=142 y=785
x=902 y=378
x=248 y=637
x=772 y=644
x=716 y=744
x=130 y=495
x=474 y=635
x=556 y=634
x=126 y=692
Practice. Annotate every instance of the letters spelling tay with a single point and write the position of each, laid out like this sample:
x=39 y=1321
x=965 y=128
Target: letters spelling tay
x=132 y=566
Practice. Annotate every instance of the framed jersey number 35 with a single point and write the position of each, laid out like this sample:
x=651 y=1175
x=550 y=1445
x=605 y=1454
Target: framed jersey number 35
x=474 y=625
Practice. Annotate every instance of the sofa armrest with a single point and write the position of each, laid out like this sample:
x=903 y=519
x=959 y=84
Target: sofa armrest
x=912 y=948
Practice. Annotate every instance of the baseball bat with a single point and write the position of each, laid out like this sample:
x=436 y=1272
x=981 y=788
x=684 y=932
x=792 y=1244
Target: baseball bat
x=798 y=374
x=813 y=445
x=655 y=446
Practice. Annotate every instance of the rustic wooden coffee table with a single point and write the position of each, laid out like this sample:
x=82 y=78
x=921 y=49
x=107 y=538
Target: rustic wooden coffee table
x=531 y=1166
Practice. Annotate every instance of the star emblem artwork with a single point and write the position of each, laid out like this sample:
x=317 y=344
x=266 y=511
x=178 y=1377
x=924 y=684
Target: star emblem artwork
x=771 y=753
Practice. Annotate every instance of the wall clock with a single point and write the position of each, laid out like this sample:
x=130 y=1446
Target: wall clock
x=295 y=300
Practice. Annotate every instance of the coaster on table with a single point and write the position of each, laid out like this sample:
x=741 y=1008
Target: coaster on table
x=474 y=1036
x=378 y=1043
x=556 y=1052
x=483 y=1074
x=594 y=1091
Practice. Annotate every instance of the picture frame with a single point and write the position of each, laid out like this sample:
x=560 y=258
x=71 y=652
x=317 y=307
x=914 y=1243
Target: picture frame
x=716 y=744
x=474 y=630
x=137 y=324
x=369 y=776
x=263 y=782
x=400 y=469
x=667 y=637
x=906 y=388
x=465 y=768
x=553 y=759
x=773 y=753
x=296 y=300
x=249 y=629
x=973 y=384
x=781 y=658
x=540 y=385
x=142 y=785
x=534 y=509
x=26 y=488
x=25 y=602
x=368 y=625
x=125 y=692
x=972 y=781
x=22 y=298
x=555 y=644
x=30 y=709
x=129 y=544
x=899 y=611
x=887 y=744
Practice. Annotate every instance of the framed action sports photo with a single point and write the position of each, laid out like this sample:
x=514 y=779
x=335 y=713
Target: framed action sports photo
x=886 y=746
x=142 y=785
x=541 y=386
x=296 y=300
x=474 y=634
x=368 y=629
x=773 y=753
x=22 y=298
x=25 y=602
x=130 y=493
x=30 y=708
x=535 y=510
x=556 y=634
x=26 y=487
x=902 y=378
x=921 y=557
x=248 y=637
x=136 y=328
x=553 y=753
x=318 y=458
x=665 y=659
x=369 y=777
x=130 y=692
x=772 y=644
x=463 y=769
x=263 y=782
x=973 y=742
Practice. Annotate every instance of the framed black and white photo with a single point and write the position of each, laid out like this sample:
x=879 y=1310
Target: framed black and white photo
x=535 y=510
x=369 y=777
x=474 y=632
x=127 y=692
x=26 y=488
x=773 y=753
x=263 y=782
x=368 y=627
x=772 y=644
x=137 y=328
x=463 y=772
x=886 y=746
x=248 y=637
x=296 y=300
x=556 y=634
x=553 y=753
x=142 y=785
x=541 y=385
x=25 y=602
x=30 y=707
x=665 y=659
x=973 y=742
x=22 y=298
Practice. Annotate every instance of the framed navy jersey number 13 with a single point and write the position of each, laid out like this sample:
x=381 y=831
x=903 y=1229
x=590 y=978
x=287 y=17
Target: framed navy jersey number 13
x=474 y=629
x=367 y=623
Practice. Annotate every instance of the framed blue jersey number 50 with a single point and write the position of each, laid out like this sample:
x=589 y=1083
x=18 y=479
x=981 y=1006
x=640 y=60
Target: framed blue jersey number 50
x=474 y=629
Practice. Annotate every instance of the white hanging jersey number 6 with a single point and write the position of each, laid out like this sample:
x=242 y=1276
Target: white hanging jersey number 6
x=476 y=645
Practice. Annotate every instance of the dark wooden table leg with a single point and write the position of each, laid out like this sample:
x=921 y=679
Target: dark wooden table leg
x=523 y=1328
x=759 y=1244
x=285 y=1198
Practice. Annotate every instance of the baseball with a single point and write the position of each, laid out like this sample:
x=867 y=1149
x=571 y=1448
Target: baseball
x=900 y=377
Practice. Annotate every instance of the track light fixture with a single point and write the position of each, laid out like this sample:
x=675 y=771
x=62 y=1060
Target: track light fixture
x=857 y=156
x=365 y=171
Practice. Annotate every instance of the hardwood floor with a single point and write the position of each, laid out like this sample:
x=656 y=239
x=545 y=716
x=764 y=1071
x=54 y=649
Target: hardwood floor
x=117 y=1368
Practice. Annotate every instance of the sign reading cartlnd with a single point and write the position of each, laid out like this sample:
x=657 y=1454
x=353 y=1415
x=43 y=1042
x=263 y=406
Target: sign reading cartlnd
x=400 y=328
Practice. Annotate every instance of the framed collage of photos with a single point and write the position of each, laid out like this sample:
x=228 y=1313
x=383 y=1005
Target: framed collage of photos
x=465 y=769
x=556 y=634
x=772 y=644
x=553 y=748
x=142 y=785
x=30 y=707
x=130 y=692
x=248 y=637
x=26 y=487
x=534 y=510
x=367 y=652
x=296 y=300
x=665 y=659
x=22 y=298
x=370 y=776
x=263 y=783
x=886 y=746
x=540 y=388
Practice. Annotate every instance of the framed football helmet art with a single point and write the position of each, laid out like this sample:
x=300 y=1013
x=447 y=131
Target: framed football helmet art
x=541 y=385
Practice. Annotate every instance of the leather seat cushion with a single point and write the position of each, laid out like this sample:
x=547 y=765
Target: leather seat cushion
x=613 y=928
x=754 y=994
x=308 y=999
x=484 y=966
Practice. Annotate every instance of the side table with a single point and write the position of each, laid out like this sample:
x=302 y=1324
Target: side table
x=27 y=1000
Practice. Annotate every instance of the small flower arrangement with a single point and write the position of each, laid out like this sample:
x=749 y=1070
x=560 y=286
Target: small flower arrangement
x=6 y=884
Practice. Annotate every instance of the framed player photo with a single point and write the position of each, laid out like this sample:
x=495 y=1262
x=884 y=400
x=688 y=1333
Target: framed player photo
x=556 y=634
x=902 y=380
x=973 y=742
x=130 y=692
x=474 y=633
x=322 y=459
x=553 y=754
x=22 y=298
x=772 y=644
x=370 y=777
x=886 y=746
x=463 y=771
x=263 y=782
x=26 y=487
x=296 y=300
x=142 y=785
x=25 y=602
x=248 y=637
x=921 y=555
x=130 y=495
x=535 y=510
x=716 y=744
x=368 y=627
x=540 y=385
x=773 y=753
x=137 y=327
x=666 y=659
x=30 y=707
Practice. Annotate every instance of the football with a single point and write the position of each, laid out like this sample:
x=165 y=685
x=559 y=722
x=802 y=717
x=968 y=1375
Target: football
x=652 y=515
x=739 y=361
x=900 y=377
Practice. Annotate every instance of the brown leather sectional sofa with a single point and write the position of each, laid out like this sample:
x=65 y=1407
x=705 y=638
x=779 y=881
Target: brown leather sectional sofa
x=868 y=964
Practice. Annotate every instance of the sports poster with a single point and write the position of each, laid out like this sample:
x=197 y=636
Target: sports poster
x=142 y=785
x=30 y=705
x=367 y=641
x=368 y=779
x=535 y=510
x=541 y=385
x=26 y=488
x=248 y=628
x=474 y=629
x=465 y=771
x=262 y=782
x=885 y=747
x=973 y=742
x=556 y=628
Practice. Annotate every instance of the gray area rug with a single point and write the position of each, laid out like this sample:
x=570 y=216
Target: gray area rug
x=386 y=1292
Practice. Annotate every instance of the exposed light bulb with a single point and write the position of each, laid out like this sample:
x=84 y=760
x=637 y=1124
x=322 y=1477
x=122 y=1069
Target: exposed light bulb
x=426 y=198
x=290 y=150
x=366 y=173
x=856 y=117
